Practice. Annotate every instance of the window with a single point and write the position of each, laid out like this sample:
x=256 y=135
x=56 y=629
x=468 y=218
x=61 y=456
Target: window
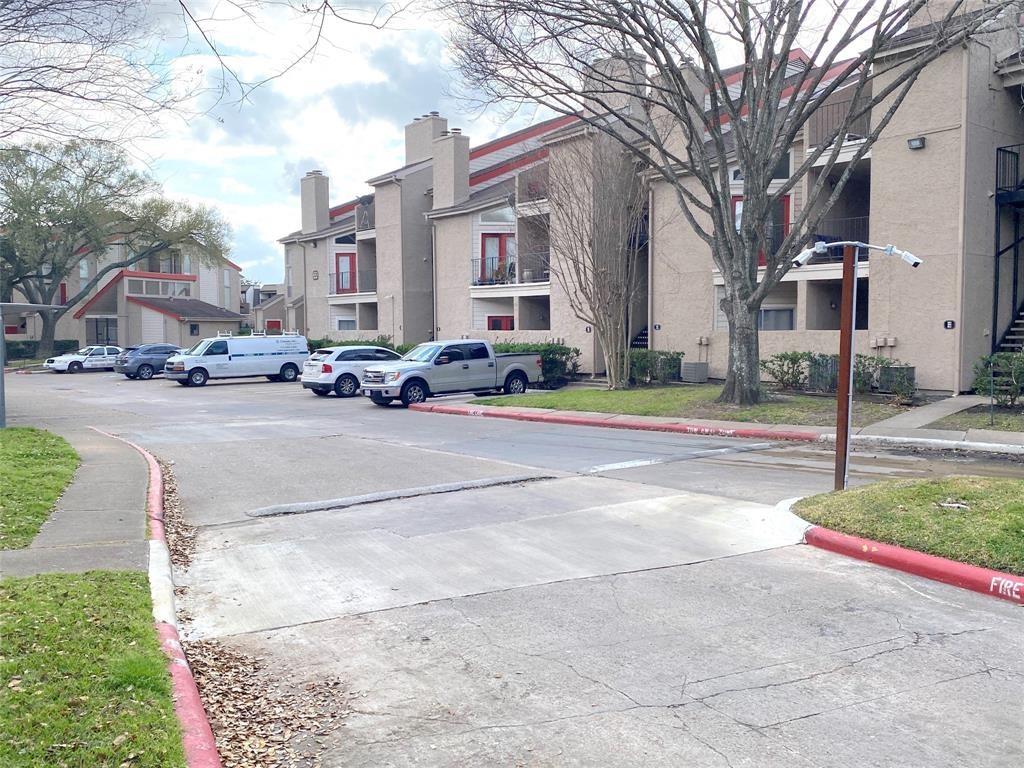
x=454 y=353
x=499 y=216
x=217 y=348
x=385 y=354
x=98 y=352
x=501 y=323
x=113 y=351
x=476 y=351
x=152 y=288
x=83 y=269
x=349 y=355
x=345 y=323
x=226 y=292
x=345 y=240
x=778 y=222
x=775 y=320
x=135 y=286
x=344 y=273
x=193 y=329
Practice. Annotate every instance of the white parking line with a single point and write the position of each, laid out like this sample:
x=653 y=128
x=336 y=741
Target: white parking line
x=667 y=459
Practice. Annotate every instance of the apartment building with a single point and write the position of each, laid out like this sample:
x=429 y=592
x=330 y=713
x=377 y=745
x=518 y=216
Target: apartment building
x=366 y=267
x=174 y=296
x=462 y=235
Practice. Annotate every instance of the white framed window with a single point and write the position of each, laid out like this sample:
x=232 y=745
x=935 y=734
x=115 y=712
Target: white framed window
x=771 y=317
x=499 y=216
x=83 y=269
x=226 y=291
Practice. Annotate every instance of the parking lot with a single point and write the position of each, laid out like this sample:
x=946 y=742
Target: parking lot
x=511 y=593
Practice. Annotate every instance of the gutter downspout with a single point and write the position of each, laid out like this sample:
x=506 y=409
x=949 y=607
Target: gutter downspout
x=433 y=281
x=305 y=307
x=650 y=267
x=965 y=77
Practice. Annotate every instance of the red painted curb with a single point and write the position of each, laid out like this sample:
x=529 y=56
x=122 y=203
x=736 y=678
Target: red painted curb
x=196 y=734
x=516 y=414
x=1005 y=586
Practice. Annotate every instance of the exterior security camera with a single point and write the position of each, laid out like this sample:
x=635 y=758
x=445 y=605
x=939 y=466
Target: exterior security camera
x=907 y=256
x=806 y=255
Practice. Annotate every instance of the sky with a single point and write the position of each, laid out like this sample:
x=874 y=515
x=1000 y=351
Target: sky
x=342 y=111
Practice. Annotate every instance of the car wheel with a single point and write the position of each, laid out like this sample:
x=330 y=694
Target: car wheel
x=515 y=383
x=288 y=373
x=320 y=392
x=414 y=392
x=382 y=401
x=75 y=367
x=346 y=385
x=197 y=377
x=145 y=372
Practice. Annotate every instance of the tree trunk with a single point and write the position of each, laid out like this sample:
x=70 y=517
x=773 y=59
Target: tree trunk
x=743 y=382
x=45 y=348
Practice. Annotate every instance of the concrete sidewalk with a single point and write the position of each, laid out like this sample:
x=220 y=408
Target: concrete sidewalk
x=99 y=522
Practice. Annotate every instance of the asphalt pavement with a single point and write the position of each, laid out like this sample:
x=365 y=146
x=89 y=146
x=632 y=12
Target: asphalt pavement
x=590 y=597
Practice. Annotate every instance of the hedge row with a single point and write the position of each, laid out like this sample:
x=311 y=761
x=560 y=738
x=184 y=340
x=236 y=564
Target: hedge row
x=28 y=350
x=817 y=372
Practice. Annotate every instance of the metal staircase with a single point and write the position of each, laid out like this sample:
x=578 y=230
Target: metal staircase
x=1013 y=339
x=640 y=341
x=1009 y=226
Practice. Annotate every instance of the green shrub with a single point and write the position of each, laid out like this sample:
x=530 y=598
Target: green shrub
x=866 y=369
x=28 y=350
x=788 y=369
x=559 y=363
x=653 y=366
x=1002 y=376
x=380 y=341
x=901 y=383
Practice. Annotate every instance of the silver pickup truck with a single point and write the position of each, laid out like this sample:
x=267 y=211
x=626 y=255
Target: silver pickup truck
x=445 y=367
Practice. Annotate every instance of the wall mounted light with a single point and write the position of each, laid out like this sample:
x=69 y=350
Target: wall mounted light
x=917 y=142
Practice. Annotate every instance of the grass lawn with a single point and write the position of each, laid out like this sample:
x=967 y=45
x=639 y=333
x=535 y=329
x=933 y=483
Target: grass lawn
x=698 y=402
x=977 y=520
x=1005 y=419
x=35 y=467
x=85 y=681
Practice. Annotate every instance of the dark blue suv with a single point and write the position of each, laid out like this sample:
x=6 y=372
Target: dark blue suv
x=142 y=362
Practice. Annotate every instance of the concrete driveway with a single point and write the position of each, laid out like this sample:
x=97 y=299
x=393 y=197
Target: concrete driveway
x=502 y=593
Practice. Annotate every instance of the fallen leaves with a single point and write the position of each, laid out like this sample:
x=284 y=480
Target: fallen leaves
x=181 y=537
x=260 y=721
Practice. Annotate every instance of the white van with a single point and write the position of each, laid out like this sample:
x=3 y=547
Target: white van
x=279 y=358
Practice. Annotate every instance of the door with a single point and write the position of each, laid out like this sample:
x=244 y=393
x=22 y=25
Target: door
x=152 y=326
x=450 y=376
x=272 y=326
x=497 y=259
x=216 y=359
x=480 y=366
x=97 y=358
x=345 y=276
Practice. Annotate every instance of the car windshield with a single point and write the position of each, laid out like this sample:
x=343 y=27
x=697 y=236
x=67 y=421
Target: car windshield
x=422 y=353
x=322 y=354
x=84 y=351
x=199 y=348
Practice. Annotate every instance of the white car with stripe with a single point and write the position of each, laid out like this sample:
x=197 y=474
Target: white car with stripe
x=91 y=358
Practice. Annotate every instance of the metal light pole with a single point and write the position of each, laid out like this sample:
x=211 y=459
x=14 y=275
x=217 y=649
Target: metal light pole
x=847 y=325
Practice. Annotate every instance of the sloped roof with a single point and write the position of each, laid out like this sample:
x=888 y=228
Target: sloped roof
x=185 y=309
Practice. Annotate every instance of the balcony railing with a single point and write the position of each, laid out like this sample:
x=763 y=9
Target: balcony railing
x=828 y=118
x=1008 y=170
x=366 y=216
x=363 y=281
x=531 y=267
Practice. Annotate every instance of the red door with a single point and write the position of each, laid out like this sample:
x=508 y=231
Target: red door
x=273 y=325
x=345 y=275
x=500 y=323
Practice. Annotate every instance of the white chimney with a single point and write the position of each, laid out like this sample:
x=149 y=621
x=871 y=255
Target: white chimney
x=315 y=193
x=451 y=169
x=420 y=135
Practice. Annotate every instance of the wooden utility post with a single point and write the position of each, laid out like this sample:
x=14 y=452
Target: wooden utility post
x=844 y=390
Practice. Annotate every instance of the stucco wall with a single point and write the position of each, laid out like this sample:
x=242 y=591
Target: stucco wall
x=389 y=259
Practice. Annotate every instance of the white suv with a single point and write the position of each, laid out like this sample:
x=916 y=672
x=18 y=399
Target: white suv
x=86 y=359
x=340 y=369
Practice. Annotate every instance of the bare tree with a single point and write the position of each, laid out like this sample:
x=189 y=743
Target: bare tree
x=664 y=70
x=87 y=69
x=62 y=204
x=595 y=227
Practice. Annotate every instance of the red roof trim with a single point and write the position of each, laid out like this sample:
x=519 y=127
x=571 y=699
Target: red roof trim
x=147 y=305
x=795 y=54
x=233 y=265
x=490 y=173
x=180 y=276
x=116 y=279
x=826 y=78
x=527 y=133
x=344 y=208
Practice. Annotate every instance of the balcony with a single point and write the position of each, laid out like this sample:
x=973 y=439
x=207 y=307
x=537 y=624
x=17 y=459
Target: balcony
x=525 y=268
x=836 y=230
x=363 y=281
x=1009 y=175
x=823 y=124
